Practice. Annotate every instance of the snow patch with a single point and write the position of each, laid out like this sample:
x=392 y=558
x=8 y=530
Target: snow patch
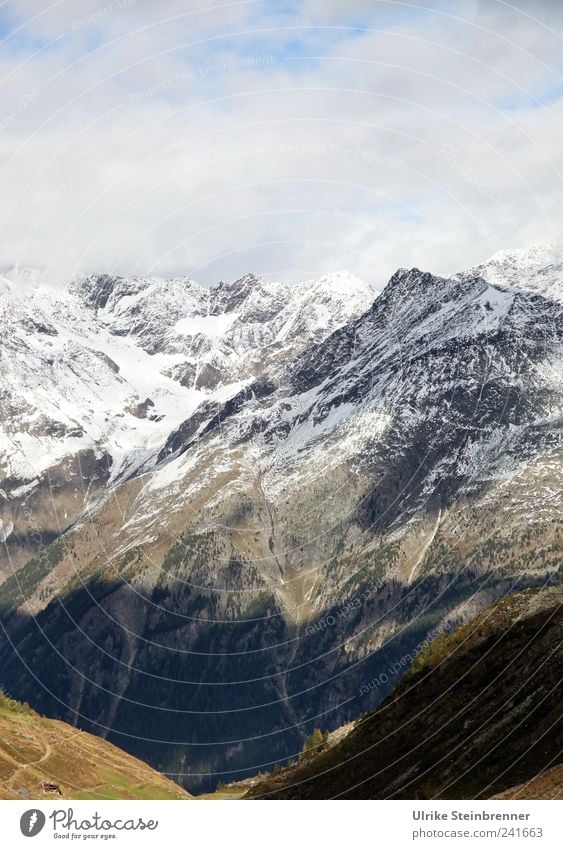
x=215 y=326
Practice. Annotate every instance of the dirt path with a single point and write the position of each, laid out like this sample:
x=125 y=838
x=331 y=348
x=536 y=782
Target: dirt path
x=49 y=750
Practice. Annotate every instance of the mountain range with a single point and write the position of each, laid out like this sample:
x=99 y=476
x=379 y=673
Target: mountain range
x=233 y=514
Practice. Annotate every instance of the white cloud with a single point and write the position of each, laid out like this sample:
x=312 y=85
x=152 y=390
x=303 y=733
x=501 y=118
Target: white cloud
x=289 y=139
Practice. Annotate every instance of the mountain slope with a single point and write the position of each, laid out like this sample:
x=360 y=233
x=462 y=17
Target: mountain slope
x=98 y=374
x=546 y=785
x=478 y=714
x=34 y=750
x=289 y=542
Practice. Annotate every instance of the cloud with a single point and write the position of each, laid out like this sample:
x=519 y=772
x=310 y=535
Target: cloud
x=289 y=139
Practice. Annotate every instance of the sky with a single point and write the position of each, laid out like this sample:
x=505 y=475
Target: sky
x=290 y=139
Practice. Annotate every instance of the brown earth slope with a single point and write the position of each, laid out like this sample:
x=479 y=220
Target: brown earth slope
x=546 y=785
x=34 y=750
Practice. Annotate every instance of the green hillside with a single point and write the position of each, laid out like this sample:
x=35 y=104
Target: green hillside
x=34 y=750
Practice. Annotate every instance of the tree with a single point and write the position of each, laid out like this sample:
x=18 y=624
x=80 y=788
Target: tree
x=314 y=741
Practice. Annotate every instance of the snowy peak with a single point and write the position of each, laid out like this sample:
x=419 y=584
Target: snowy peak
x=414 y=283
x=228 y=297
x=418 y=319
x=407 y=283
x=144 y=308
x=229 y=332
x=250 y=298
x=339 y=284
x=426 y=305
x=346 y=294
x=96 y=289
x=536 y=269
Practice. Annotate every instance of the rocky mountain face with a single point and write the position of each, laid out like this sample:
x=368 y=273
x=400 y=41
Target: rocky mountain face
x=291 y=491
x=477 y=716
x=96 y=375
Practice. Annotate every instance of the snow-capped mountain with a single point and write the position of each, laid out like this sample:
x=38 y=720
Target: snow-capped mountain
x=449 y=386
x=229 y=332
x=538 y=269
x=114 y=364
x=98 y=373
x=292 y=487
